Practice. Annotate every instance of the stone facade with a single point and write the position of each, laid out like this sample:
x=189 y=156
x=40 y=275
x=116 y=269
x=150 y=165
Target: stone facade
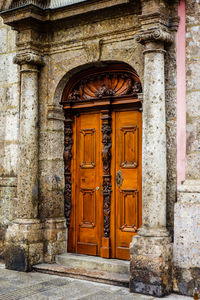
x=9 y=121
x=187 y=209
x=35 y=70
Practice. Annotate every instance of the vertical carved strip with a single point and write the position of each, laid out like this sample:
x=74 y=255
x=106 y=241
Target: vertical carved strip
x=106 y=157
x=68 y=142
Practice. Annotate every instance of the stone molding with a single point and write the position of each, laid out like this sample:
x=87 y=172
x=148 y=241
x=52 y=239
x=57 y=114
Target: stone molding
x=55 y=113
x=189 y=192
x=8 y=181
x=28 y=58
x=154 y=35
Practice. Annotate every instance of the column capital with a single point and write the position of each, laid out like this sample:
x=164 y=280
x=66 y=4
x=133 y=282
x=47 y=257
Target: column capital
x=28 y=58
x=156 y=34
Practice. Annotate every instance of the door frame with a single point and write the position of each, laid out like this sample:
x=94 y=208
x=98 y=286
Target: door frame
x=117 y=86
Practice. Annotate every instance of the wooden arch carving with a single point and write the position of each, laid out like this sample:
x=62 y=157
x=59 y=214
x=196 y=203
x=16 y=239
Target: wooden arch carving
x=101 y=87
x=98 y=83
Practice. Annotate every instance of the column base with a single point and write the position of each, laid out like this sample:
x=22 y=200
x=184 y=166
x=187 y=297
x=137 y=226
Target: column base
x=55 y=238
x=151 y=263
x=24 y=244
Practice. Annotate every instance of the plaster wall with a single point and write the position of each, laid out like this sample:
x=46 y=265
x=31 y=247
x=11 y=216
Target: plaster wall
x=9 y=117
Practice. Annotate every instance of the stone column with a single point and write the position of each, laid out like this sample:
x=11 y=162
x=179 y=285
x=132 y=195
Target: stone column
x=151 y=249
x=24 y=239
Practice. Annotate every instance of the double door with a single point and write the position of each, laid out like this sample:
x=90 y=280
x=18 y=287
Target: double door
x=87 y=227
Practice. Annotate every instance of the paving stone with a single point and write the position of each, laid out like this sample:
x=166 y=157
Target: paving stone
x=37 y=286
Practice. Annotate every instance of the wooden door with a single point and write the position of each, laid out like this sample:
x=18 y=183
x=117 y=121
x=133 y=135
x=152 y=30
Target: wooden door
x=127 y=150
x=86 y=185
x=87 y=217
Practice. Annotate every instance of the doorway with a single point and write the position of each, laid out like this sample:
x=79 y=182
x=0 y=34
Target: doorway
x=105 y=162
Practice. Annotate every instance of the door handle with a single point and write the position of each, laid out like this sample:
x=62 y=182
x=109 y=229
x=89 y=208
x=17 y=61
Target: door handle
x=119 y=178
x=97 y=188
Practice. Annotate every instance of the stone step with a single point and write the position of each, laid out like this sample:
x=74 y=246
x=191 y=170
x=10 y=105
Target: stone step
x=88 y=262
x=118 y=279
x=93 y=268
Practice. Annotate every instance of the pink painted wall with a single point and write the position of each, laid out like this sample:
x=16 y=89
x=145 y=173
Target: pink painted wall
x=181 y=94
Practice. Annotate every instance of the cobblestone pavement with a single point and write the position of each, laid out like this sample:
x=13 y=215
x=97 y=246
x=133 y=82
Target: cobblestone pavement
x=36 y=286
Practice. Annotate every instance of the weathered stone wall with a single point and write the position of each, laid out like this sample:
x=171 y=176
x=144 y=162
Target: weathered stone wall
x=9 y=116
x=187 y=209
x=193 y=89
x=68 y=49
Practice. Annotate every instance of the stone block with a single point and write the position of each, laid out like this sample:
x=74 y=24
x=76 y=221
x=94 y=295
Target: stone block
x=150 y=271
x=185 y=280
x=192 y=104
x=11 y=40
x=170 y=100
x=54 y=248
x=192 y=74
x=51 y=145
x=193 y=135
x=12 y=96
x=193 y=165
x=3 y=39
x=36 y=253
x=7 y=63
x=16 y=257
x=187 y=231
x=52 y=204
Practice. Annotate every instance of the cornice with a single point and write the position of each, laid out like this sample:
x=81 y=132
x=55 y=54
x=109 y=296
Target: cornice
x=28 y=58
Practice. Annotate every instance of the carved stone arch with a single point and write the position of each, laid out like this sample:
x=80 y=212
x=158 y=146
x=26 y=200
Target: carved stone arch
x=112 y=82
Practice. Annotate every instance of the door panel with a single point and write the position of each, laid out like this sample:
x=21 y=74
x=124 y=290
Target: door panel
x=87 y=182
x=128 y=180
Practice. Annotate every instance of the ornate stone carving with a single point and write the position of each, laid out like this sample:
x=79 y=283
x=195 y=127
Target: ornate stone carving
x=28 y=58
x=154 y=34
x=106 y=157
x=68 y=142
x=105 y=85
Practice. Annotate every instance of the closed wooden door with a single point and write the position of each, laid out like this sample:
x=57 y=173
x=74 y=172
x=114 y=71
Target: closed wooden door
x=127 y=148
x=86 y=184
x=87 y=218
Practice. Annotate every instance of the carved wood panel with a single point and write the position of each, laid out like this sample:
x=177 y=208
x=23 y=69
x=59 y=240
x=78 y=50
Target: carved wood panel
x=129 y=210
x=87 y=148
x=130 y=146
x=88 y=208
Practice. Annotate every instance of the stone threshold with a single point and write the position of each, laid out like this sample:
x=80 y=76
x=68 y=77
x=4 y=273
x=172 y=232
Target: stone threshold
x=97 y=269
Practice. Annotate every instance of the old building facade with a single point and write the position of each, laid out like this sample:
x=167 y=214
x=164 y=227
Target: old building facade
x=114 y=86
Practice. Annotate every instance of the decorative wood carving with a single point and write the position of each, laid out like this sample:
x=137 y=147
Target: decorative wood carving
x=106 y=157
x=68 y=142
x=112 y=84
